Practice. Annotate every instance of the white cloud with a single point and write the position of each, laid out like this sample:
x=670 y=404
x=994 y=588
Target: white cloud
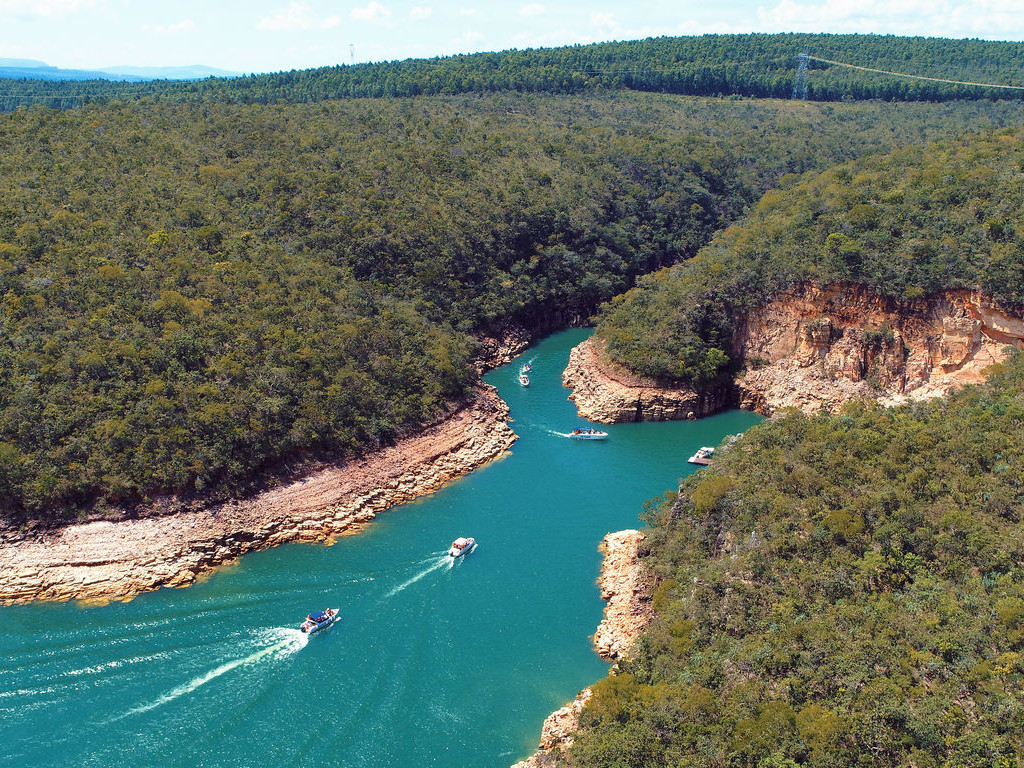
x=468 y=12
x=533 y=9
x=43 y=7
x=169 y=29
x=992 y=19
x=468 y=39
x=604 y=20
x=295 y=16
x=373 y=12
x=555 y=37
x=694 y=27
x=419 y=13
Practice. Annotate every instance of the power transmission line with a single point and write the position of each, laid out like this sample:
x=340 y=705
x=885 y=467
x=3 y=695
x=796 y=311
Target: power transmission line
x=800 y=83
x=914 y=77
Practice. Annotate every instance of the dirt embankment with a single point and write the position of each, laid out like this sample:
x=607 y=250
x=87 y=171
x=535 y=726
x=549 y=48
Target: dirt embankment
x=817 y=348
x=113 y=560
x=626 y=587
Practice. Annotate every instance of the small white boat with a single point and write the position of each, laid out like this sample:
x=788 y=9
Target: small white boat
x=588 y=434
x=462 y=546
x=527 y=367
x=702 y=457
x=318 y=620
x=524 y=380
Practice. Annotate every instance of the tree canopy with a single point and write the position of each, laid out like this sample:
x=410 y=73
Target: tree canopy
x=755 y=65
x=192 y=295
x=835 y=591
x=922 y=219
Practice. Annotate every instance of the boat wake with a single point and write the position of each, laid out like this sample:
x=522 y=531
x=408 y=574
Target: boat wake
x=435 y=564
x=277 y=643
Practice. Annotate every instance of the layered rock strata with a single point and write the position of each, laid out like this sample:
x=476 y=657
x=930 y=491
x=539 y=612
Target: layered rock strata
x=608 y=393
x=817 y=348
x=111 y=560
x=627 y=588
x=499 y=350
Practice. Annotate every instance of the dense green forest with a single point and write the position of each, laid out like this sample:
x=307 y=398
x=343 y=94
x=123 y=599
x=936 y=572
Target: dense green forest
x=757 y=65
x=193 y=294
x=916 y=221
x=835 y=591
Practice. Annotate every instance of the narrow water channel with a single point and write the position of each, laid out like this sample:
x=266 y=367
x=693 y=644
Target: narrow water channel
x=430 y=664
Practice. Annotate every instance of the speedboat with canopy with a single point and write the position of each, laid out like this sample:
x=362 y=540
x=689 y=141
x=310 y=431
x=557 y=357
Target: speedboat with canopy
x=588 y=434
x=703 y=456
x=318 y=620
x=462 y=546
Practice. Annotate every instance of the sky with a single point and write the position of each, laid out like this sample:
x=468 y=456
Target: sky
x=280 y=35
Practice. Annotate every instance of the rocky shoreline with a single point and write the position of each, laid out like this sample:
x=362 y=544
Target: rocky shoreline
x=105 y=560
x=627 y=588
x=816 y=348
x=610 y=394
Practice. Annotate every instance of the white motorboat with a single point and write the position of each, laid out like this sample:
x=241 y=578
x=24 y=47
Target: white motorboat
x=588 y=434
x=462 y=546
x=318 y=620
x=702 y=457
x=524 y=380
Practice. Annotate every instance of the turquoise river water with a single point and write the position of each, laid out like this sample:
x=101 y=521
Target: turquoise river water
x=429 y=664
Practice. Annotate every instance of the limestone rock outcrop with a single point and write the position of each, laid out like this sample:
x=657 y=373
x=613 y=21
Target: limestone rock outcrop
x=103 y=560
x=608 y=393
x=557 y=733
x=816 y=348
x=499 y=350
x=627 y=588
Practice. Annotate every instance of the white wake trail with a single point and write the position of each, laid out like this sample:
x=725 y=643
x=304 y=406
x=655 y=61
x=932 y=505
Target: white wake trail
x=284 y=642
x=439 y=563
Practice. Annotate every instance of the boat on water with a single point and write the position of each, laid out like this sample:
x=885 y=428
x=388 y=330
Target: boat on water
x=462 y=546
x=588 y=434
x=527 y=367
x=318 y=620
x=702 y=457
x=524 y=380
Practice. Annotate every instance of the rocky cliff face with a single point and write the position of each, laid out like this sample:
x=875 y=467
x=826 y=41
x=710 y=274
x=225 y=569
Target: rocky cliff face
x=608 y=393
x=627 y=588
x=817 y=348
x=110 y=560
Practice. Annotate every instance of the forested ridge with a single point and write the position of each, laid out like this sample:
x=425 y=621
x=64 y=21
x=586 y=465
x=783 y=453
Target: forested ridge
x=911 y=223
x=192 y=295
x=756 y=65
x=835 y=591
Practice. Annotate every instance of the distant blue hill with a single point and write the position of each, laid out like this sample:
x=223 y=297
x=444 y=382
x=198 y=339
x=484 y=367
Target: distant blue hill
x=38 y=70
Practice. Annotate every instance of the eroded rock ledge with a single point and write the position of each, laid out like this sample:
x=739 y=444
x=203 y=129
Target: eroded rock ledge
x=626 y=587
x=110 y=560
x=608 y=393
x=816 y=348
